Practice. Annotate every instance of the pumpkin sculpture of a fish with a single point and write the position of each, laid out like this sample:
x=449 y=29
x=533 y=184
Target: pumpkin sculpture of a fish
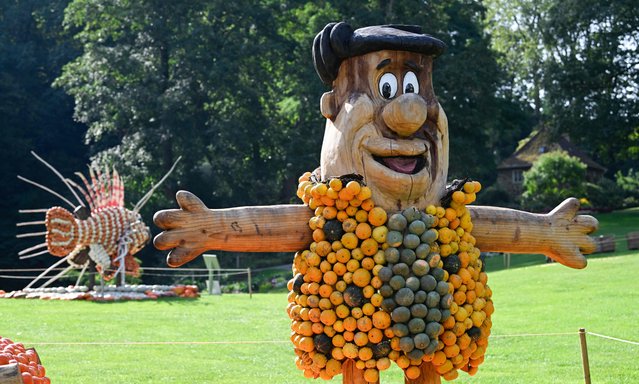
x=100 y=229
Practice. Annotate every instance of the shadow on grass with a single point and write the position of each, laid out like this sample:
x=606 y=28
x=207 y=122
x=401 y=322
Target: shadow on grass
x=163 y=300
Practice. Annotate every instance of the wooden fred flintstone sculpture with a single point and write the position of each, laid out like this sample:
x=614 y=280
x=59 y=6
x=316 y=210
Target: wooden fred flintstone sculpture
x=387 y=263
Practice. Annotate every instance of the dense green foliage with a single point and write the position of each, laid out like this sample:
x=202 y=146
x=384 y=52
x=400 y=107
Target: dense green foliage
x=575 y=63
x=33 y=117
x=231 y=88
x=555 y=177
x=605 y=195
x=629 y=184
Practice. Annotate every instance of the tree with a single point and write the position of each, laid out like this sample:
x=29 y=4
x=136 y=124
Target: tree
x=576 y=63
x=205 y=80
x=518 y=33
x=554 y=177
x=593 y=91
x=33 y=117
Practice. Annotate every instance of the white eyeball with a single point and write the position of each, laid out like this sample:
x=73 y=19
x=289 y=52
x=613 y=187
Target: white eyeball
x=388 y=86
x=411 y=85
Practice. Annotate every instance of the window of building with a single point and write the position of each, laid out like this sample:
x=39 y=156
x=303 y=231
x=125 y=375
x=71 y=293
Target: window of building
x=518 y=176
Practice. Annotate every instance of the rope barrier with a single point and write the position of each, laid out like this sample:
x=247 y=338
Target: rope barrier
x=29 y=269
x=222 y=270
x=533 y=335
x=225 y=272
x=160 y=342
x=613 y=338
x=287 y=341
x=145 y=274
x=17 y=277
x=189 y=275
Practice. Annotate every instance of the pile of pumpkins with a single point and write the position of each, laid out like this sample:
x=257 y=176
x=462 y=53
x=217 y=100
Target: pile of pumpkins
x=21 y=363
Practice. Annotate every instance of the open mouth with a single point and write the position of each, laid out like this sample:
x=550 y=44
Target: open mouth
x=409 y=165
x=407 y=157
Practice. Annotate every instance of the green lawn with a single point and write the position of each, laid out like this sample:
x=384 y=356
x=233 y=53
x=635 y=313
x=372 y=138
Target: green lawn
x=253 y=333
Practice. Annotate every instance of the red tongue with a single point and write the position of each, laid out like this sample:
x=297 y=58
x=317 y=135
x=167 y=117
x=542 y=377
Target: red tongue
x=401 y=164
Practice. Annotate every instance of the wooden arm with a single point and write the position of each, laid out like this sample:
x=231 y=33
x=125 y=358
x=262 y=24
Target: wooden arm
x=561 y=234
x=194 y=229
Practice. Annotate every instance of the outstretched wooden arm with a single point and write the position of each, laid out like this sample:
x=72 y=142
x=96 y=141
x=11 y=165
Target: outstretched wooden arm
x=194 y=229
x=561 y=234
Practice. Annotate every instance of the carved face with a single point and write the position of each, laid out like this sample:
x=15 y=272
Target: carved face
x=384 y=123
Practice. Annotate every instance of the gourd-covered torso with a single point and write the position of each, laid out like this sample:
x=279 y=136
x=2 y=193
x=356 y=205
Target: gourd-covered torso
x=377 y=286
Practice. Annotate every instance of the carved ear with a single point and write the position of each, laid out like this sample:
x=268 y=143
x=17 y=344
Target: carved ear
x=327 y=105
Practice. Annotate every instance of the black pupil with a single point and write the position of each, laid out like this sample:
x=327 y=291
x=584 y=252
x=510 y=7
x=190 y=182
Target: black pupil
x=386 y=90
x=410 y=88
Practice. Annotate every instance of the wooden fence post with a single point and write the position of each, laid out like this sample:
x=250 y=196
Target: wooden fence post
x=633 y=240
x=584 y=355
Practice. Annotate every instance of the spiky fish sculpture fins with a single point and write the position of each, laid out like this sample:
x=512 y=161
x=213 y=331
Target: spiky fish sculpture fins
x=106 y=189
x=100 y=228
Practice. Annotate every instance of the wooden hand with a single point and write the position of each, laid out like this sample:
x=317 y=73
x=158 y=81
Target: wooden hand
x=194 y=229
x=561 y=234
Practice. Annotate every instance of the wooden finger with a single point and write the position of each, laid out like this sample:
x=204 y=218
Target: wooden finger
x=169 y=240
x=170 y=218
x=189 y=202
x=182 y=255
x=588 y=245
x=569 y=255
x=567 y=209
x=588 y=223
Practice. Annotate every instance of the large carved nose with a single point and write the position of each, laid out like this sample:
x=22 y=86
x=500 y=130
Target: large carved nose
x=406 y=114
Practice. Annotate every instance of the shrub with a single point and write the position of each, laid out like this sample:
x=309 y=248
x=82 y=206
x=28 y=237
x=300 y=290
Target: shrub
x=554 y=177
x=605 y=195
x=495 y=196
x=629 y=185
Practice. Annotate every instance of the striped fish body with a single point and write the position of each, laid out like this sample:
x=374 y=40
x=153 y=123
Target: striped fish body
x=105 y=227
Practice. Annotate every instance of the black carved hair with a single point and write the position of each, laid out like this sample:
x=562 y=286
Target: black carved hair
x=338 y=41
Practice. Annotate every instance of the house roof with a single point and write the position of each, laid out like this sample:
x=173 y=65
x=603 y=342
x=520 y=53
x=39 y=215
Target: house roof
x=540 y=142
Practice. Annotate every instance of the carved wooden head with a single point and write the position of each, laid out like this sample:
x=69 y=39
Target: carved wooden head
x=383 y=119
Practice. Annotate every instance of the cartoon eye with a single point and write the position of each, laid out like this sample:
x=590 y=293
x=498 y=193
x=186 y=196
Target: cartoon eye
x=411 y=85
x=388 y=86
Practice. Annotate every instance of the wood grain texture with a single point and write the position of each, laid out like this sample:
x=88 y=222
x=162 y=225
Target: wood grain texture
x=363 y=127
x=194 y=229
x=406 y=115
x=561 y=234
x=352 y=375
x=10 y=374
x=429 y=375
